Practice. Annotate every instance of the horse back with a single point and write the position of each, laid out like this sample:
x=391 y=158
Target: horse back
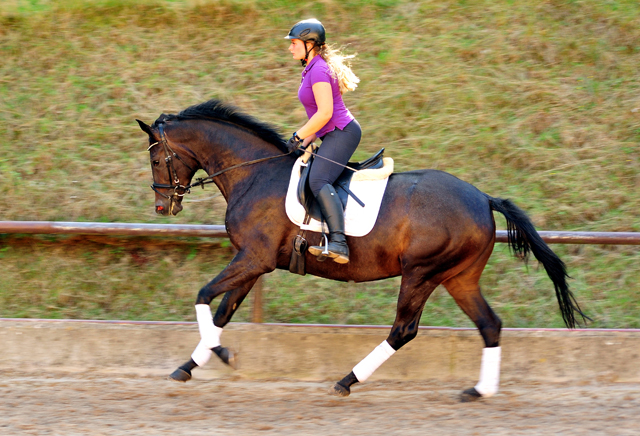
x=438 y=199
x=433 y=215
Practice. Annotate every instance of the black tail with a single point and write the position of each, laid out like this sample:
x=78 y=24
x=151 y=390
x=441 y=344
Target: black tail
x=523 y=238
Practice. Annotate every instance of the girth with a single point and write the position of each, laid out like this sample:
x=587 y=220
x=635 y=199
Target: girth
x=306 y=197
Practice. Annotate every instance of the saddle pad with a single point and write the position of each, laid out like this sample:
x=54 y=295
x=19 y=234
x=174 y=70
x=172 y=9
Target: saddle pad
x=367 y=185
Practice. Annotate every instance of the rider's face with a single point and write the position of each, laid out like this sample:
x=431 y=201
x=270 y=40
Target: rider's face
x=297 y=49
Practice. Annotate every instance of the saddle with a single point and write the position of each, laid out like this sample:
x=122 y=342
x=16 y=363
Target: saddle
x=341 y=185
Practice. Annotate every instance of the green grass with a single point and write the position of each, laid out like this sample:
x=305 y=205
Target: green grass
x=533 y=101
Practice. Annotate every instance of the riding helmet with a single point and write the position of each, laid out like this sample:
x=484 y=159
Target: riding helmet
x=308 y=30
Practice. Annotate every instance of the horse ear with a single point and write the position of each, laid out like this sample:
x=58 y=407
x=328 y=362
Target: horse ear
x=145 y=128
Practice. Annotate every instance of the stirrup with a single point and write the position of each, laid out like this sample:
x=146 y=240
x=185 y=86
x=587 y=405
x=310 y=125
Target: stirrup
x=325 y=253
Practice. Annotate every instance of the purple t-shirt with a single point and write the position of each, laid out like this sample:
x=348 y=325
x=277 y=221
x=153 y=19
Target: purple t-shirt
x=318 y=71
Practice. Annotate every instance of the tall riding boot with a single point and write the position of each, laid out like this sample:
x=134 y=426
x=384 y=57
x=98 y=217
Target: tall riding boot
x=332 y=211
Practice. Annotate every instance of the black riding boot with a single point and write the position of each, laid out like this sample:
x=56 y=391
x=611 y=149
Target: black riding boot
x=332 y=211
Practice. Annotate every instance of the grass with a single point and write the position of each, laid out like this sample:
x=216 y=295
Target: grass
x=534 y=101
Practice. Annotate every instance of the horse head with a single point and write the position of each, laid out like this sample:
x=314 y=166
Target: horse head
x=171 y=172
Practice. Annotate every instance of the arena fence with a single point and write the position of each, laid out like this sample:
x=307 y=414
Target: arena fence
x=218 y=231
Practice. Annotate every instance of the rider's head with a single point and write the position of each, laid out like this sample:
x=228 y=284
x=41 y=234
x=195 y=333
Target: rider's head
x=312 y=34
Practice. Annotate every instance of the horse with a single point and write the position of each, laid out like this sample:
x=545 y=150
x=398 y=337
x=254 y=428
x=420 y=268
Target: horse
x=432 y=229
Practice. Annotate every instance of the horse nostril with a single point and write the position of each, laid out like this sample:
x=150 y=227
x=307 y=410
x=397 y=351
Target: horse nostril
x=159 y=208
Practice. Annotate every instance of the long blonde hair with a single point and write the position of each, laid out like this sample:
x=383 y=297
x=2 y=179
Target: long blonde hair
x=340 y=67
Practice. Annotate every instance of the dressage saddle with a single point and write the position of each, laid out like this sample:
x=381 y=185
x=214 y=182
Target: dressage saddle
x=306 y=197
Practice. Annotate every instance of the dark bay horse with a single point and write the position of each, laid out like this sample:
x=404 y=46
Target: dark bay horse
x=432 y=229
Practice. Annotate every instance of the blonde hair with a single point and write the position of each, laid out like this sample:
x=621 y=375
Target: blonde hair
x=340 y=67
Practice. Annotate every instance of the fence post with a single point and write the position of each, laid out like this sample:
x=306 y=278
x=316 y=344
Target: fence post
x=257 y=311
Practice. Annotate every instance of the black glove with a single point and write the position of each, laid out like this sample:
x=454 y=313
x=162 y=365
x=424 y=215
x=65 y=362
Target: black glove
x=294 y=143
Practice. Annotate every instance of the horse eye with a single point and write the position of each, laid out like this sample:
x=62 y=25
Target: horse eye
x=156 y=163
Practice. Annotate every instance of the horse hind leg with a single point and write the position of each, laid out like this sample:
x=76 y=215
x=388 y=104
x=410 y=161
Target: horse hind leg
x=414 y=292
x=465 y=290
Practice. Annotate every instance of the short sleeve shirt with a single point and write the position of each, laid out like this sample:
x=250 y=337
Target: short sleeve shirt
x=318 y=71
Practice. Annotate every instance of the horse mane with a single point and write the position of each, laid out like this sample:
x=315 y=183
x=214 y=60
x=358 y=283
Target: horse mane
x=216 y=110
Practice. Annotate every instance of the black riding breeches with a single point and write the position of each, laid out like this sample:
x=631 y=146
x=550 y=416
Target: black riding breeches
x=339 y=146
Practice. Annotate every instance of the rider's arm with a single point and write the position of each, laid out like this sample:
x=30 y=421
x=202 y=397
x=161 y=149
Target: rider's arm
x=324 y=100
x=308 y=140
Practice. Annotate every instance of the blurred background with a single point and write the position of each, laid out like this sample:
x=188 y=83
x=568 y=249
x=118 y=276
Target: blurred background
x=536 y=101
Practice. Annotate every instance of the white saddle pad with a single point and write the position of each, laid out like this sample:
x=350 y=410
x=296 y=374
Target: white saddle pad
x=367 y=185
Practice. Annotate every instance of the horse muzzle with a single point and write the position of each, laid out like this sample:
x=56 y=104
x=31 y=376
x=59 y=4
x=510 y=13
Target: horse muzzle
x=173 y=208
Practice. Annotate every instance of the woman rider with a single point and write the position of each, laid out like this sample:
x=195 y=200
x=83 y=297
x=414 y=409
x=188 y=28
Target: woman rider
x=324 y=79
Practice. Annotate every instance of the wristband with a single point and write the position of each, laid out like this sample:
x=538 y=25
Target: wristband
x=296 y=137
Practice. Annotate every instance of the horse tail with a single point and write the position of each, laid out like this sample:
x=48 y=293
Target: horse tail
x=523 y=238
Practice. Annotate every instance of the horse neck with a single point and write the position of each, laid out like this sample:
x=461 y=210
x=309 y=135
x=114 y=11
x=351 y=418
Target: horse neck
x=220 y=146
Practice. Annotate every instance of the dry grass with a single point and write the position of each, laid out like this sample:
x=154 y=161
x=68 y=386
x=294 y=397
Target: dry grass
x=534 y=101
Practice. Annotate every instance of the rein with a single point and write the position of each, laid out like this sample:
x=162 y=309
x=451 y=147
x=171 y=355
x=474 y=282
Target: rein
x=180 y=190
x=200 y=181
x=313 y=153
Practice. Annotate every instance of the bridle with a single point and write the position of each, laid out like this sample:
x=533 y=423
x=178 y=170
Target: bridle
x=180 y=190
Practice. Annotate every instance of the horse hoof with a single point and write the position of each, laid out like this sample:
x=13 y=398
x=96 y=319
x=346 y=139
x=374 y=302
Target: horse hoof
x=227 y=356
x=179 y=375
x=232 y=359
x=339 y=391
x=470 y=395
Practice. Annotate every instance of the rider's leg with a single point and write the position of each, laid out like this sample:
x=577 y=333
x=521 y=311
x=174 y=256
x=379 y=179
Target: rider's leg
x=338 y=146
x=331 y=207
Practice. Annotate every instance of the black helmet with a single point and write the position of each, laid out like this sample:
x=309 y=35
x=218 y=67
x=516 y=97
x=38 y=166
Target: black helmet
x=308 y=30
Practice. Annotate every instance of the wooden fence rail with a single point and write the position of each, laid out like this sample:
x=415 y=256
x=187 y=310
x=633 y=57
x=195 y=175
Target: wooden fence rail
x=218 y=231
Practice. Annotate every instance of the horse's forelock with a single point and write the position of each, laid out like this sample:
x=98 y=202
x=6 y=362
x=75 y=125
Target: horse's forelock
x=162 y=118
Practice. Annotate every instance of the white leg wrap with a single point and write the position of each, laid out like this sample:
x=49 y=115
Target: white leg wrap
x=209 y=334
x=489 y=372
x=369 y=364
x=201 y=354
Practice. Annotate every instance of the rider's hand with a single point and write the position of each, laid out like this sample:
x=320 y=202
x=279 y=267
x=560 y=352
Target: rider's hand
x=294 y=143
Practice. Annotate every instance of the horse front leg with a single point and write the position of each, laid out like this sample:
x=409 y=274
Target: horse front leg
x=235 y=281
x=227 y=307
